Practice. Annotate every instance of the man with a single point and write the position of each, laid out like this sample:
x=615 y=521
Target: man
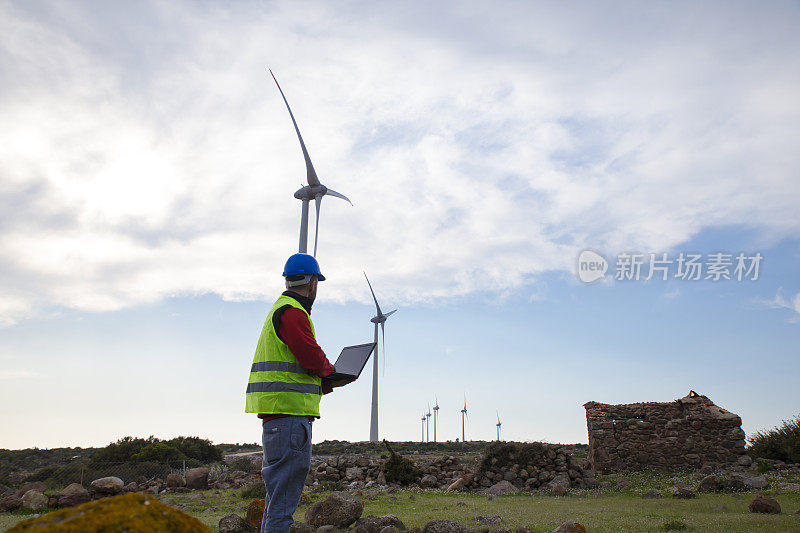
x=285 y=387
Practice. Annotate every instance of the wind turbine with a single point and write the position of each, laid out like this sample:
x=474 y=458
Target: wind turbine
x=435 y=413
x=423 y=427
x=463 y=414
x=380 y=318
x=314 y=189
x=498 y=425
x=428 y=416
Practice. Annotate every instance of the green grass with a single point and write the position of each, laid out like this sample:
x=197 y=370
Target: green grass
x=603 y=511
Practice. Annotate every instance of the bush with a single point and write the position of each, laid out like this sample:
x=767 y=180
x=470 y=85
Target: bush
x=674 y=525
x=781 y=443
x=133 y=449
x=510 y=453
x=398 y=469
x=244 y=464
x=254 y=491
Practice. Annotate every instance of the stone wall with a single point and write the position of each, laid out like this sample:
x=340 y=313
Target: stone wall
x=687 y=433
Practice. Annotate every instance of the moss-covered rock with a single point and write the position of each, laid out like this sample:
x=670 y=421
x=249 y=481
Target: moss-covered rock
x=127 y=512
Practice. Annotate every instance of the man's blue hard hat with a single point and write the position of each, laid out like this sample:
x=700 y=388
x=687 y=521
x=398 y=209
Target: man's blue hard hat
x=302 y=265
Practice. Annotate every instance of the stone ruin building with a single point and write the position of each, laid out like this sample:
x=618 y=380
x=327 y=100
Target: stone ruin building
x=687 y=433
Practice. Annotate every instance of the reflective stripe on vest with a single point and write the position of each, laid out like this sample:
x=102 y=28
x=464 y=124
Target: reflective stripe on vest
x=278 y=366
x=278 y=386
x=278 y=383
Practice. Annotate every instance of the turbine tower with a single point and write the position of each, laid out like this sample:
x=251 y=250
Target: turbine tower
x=463 y=414
x=435 y=413
x=428 y=426
x=498 y=425
x=314 y=190
x=423 y=427
x=380 y=318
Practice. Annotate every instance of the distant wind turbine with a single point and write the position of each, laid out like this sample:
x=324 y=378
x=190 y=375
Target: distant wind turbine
x=379 y=318
x=314 y=190
x=423 y=427
x=428 y=416
x=463 y=415
x=435 y=413
x=498 y=425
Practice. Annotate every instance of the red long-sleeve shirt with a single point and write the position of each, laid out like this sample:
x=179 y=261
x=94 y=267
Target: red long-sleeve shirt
x=294 y=329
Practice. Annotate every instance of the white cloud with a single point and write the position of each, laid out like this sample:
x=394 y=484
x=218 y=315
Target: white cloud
x=146 y=153
x=780 y=302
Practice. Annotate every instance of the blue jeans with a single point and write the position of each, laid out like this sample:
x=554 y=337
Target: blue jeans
x=287 y=460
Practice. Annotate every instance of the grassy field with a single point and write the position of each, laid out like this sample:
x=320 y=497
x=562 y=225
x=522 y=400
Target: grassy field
x=609 y=511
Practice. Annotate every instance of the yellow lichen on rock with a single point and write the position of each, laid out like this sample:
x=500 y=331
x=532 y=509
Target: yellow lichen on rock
x=128 y=512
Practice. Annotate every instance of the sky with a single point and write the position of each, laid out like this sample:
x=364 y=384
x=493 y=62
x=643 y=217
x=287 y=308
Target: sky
x=147 y=171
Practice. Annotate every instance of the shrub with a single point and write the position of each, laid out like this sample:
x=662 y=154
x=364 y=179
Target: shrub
x=509 y=453
x=781 y=443
x=254 y=491
x=398 y=469
x=245 y=464
x=674 y=525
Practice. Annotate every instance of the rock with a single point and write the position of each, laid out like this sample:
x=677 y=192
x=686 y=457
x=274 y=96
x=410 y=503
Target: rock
x=624 y=484
x=175 y=480
x=233 y=523
x=197 y=478
x=744 y=460
x=488 y=520
x=443 y=526
x=651 y=494
x=682 y=493
x=254 y=513
x=126 y=512
x=428 y=481
x=391 y=520
x=35 y=500
x=712 y=483
x=570 y=527
x=381 y=478
x=130 y=487
x=501 y=487
x=339 y=509
x=353 y=473
x=368 y=524
x=300 y=527
x=388 y=529
x=720 y=508
x=326 y=529
x=31 y=485
x=509 y=475
x=72 y=495
x=557 y=490
x=10 y=503
x=755 y=481
x=107 y=485
x=456 y=485
x=764 y=504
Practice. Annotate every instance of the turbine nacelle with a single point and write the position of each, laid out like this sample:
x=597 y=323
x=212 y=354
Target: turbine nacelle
x=313 y=191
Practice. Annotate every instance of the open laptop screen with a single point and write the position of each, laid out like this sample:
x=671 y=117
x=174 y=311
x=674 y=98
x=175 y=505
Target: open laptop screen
x=353 y=358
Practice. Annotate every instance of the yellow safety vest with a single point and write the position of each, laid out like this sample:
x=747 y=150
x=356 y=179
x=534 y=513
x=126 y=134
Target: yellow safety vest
x=278 y=383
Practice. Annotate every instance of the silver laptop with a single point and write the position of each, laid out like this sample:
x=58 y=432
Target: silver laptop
x=351 y=362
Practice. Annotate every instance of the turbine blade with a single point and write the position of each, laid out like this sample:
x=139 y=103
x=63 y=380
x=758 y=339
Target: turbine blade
x=338 y=195
x=373 y=295
x=311 y=175
x=390 y=313
x=317 y=202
